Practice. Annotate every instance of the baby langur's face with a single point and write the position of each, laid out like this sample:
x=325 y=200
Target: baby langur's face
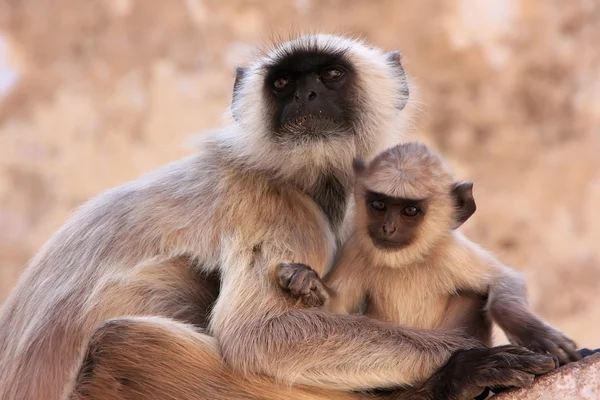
x=410 y=197
x=393 y=221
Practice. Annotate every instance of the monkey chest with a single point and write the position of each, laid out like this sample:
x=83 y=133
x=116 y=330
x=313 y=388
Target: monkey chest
x=408 y=304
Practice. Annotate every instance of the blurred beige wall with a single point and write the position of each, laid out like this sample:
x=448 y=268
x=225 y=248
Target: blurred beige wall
x=95 y=93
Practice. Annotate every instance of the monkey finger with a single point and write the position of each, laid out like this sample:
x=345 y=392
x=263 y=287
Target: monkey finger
x=508 y=352
x=312 y=284
x=301 y=282
x=556 y=361
x=552 y=348
x=537 y=364
x=321 y=292
x=511 y=349
x=505 y=377
x=570 y=350
x=517 y=357
x=569 y=347
x=284 y=274
x=569 y=341
x=540 y=349
x=534 y=363
x=317 y=289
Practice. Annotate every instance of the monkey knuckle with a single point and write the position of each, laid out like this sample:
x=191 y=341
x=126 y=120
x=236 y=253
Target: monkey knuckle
x=284 y=266
x=307 y=276
x=297 y=285
x=284 y=280
x=323 y=298
x=312 y=275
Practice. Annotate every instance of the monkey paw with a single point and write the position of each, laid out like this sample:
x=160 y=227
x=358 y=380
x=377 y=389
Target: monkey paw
x=543 y=338
x=469 y=371
x=302 y=283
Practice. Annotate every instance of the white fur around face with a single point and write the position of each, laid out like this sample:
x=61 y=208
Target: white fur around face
x=380 y=122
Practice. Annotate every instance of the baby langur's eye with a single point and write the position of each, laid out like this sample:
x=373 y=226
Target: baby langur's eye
x=378 y=205
x=410 y=211
x=281 y=83
x=330 y=74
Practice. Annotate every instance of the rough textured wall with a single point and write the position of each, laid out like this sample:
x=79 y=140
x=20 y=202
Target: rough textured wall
x=577 y=381
x=94 y=93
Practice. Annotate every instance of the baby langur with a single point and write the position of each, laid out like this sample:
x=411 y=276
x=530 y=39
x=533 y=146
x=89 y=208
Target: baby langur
x=407 y=263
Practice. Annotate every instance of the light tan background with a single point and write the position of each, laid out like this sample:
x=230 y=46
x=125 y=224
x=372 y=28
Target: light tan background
x=94 y=93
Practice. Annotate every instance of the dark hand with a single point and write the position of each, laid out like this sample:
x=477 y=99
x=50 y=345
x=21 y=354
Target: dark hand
x=302 y=283
x=543 y=338
x=468 y=372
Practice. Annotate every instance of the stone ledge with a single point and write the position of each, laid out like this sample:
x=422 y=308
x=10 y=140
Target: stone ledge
x=580 y=380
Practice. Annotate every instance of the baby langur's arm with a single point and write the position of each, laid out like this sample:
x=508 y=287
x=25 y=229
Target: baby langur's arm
x=508 y=307
x=507 y=296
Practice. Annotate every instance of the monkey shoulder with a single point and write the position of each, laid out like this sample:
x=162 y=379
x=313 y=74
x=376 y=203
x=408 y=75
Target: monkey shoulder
x=276 y=219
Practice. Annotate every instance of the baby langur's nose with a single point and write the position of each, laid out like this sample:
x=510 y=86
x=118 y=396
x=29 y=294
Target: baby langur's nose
x=389 y=229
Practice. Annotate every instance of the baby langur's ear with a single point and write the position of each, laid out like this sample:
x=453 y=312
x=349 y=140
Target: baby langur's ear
x=464 y=202
x=359 y=166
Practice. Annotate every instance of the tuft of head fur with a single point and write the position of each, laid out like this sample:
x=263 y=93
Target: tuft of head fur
x=411 y=171
x=383 y=92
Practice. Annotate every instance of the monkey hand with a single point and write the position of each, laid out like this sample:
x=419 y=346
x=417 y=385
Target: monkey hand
x=541 y=337
x=469 y=371
x=302 y=283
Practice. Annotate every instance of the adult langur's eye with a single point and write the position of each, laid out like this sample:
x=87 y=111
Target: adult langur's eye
x=411 y=211
x=329 y=74
x=281 y=83
x=378 y=205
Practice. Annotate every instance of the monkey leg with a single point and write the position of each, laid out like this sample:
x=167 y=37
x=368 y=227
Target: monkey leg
x=157 y=358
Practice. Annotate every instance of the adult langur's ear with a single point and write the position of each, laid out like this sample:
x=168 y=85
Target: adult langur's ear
x=394 y=59
x=464 y=202
x=240 y=73
x=359 y=166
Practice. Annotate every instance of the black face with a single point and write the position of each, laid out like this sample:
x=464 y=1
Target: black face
x=393 y=221
x=312 y=96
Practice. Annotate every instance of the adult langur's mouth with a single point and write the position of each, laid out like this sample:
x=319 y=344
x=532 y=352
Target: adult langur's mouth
x=314 y=124
x=389 y=244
